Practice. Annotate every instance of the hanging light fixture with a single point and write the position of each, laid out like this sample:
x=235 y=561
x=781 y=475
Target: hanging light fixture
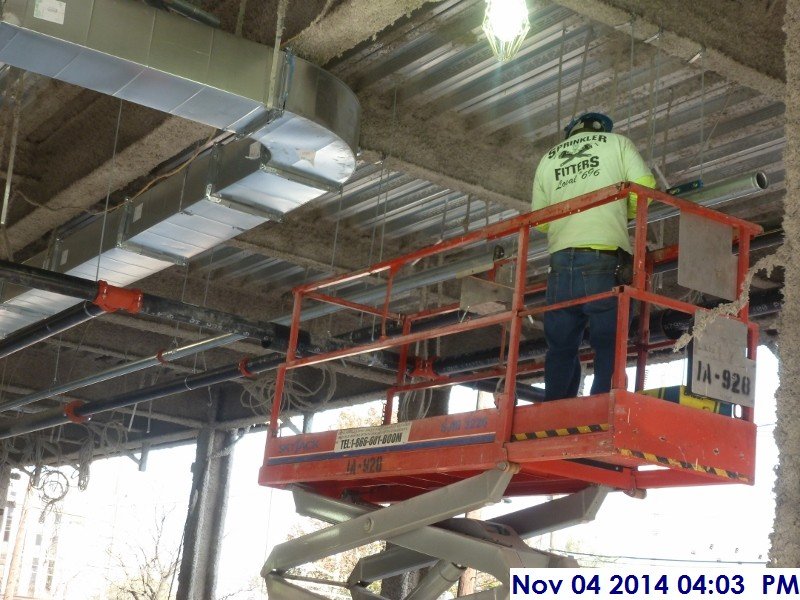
x=506 y=25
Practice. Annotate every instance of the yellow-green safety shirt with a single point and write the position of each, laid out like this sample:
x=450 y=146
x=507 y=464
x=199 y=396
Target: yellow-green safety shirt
x=581 y=164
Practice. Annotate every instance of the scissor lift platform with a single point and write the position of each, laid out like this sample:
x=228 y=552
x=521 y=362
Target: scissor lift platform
x=408 y=471
x=624 y=440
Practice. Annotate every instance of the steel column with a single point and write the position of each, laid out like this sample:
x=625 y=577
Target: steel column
x=203 y=531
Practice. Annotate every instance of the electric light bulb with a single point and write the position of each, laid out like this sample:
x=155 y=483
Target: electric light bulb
x=506 y=25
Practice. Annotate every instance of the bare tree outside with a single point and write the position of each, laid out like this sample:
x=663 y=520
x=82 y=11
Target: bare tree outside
x=146 y=570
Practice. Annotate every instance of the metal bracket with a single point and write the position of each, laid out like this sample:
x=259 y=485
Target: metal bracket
x=54 y=252
x=302 y=178
x=258 y=211
x=125 y=222
x=213 y=170
x=174 y=259
x=141 y=462
x=124 y=233
x=259 y=122
x=123 y=244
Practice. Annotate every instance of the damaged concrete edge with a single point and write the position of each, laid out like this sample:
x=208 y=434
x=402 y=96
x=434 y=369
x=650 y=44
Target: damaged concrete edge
x=348 y=25
x=678 y=46
x=785 y=545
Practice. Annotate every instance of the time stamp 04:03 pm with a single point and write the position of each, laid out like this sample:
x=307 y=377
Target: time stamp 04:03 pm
x=690 y=584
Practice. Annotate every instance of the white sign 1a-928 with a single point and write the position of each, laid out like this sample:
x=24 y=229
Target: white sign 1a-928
x=718 y=364
x=735 y=382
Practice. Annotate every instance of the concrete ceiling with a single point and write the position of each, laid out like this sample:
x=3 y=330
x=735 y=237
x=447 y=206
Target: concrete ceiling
x=449 y=141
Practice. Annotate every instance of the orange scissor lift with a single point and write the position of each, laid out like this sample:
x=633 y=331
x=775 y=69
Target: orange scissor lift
x=403 y=482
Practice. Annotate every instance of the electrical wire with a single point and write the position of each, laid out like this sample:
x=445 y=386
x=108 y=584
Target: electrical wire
x=108 y=192
x=257 y=395
x=85 y=458
x=53 y=488
x=611 y=558
x=630 y=75
x=414 y=405
x=254 y=395
x=177 y=169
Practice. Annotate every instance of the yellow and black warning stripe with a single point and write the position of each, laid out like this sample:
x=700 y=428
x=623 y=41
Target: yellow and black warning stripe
x=682 y=464
x=548 y=433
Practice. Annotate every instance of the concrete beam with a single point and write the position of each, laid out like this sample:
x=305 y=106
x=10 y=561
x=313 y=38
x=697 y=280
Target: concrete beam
x=305 y=239
x=680 y=46
x=169 y=138
x=443 y=151
x=349 y=24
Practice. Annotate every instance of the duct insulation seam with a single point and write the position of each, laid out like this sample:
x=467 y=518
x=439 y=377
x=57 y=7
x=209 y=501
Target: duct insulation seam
x=166 y=62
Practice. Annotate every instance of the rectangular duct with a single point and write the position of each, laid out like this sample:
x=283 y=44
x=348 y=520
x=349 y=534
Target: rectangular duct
x=306 y=142
x=129 y=50
x=218 y=196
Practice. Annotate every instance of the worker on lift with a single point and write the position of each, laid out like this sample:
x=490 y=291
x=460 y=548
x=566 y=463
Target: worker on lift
x=589 y=251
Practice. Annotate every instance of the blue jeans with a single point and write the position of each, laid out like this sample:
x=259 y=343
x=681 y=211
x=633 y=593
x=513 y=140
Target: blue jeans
x=574 y=274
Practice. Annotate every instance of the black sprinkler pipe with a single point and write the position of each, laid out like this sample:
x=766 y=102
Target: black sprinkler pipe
x=668 y=324
x=47 y=328
x=168 y=310
x=77 y=412
x=667 y=328
x=187 y=9
x=524 y=392
x=133 y=301
x=48 y=281
x=369 y=334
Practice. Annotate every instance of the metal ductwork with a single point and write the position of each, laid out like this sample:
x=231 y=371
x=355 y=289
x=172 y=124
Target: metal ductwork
x=306 y=143
x=221 y=194
x=134 y=52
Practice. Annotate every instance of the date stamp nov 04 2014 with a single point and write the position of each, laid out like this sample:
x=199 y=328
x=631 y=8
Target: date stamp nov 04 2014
x=687 y=583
